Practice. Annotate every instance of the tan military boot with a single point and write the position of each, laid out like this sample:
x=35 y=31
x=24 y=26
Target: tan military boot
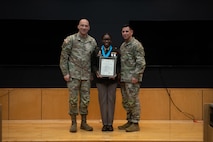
x=84 y=124
x=124 y=126
x=73 y=127
x=133 y=127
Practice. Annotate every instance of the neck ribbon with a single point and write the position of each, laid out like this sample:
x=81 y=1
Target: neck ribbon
x=103 y=52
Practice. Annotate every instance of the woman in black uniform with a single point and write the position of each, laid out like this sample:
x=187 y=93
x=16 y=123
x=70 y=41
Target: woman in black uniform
x=106 y=85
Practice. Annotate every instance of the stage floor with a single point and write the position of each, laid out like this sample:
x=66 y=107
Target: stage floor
x=58 y=131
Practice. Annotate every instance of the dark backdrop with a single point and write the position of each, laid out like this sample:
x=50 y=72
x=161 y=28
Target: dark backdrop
x=179 y=42
x=176 y=36
x=33 y=42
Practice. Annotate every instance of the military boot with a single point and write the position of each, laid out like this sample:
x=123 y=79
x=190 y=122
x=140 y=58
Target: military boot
x=133 y=127
x=124 y=126
x=73 y=127
x=84 y=124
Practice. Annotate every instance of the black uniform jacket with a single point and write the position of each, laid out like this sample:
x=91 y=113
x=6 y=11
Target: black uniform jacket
x=95 y=65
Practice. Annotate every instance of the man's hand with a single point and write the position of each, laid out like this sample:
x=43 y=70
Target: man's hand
x=134 y=80
x=67 y=77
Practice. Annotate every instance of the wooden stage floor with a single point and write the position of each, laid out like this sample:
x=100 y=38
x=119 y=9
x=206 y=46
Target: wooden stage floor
x=58 y=131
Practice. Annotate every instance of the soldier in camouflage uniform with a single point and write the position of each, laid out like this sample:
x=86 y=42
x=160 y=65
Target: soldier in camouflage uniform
x=132 y=68
x=75 y=64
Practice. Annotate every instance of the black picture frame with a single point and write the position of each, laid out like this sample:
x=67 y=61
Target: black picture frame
x=107 y=66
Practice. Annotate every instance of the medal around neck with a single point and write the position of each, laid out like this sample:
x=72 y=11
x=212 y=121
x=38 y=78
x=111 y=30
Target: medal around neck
x=103 y=52
x=107 y=65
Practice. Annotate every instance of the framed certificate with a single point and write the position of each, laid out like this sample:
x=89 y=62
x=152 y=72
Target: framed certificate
x=107 y=66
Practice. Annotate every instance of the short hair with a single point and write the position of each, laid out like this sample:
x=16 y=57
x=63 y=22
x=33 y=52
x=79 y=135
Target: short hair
x=127 y=25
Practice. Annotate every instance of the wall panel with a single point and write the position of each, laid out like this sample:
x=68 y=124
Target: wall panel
x=52 y=103
x=4 y=95
x=207 y=96
x=55 y=103
x=188 y=101
x=25 y=104
x=154 y=104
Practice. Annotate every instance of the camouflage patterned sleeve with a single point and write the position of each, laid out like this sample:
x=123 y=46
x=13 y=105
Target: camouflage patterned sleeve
x=64 y=57
x=140 y=61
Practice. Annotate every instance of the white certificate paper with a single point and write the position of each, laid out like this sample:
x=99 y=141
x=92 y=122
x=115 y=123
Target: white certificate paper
x=107 y=67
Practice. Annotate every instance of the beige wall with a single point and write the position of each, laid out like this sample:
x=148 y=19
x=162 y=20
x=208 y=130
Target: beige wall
x=52 y=103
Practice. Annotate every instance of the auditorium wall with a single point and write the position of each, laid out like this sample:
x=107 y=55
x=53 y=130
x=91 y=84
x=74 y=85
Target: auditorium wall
x=38 y=91
x=156 y=103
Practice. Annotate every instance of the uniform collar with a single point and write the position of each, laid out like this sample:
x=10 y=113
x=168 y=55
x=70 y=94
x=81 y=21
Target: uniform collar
x=130 y=41
x=82 y=39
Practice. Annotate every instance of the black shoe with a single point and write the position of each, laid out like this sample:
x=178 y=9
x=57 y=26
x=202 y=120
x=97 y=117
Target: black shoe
x=104 y=128
x=110 y=128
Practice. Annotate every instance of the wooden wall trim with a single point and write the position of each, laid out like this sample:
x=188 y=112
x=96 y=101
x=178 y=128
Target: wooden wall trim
x=52 y=103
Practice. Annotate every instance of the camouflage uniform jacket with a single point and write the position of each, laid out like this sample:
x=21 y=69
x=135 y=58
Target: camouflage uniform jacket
x=76 y=55
x=132 y=60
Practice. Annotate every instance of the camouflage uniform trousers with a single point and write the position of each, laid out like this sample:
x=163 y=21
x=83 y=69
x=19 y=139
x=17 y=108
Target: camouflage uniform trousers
x=130 y=101
x=78 y=89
